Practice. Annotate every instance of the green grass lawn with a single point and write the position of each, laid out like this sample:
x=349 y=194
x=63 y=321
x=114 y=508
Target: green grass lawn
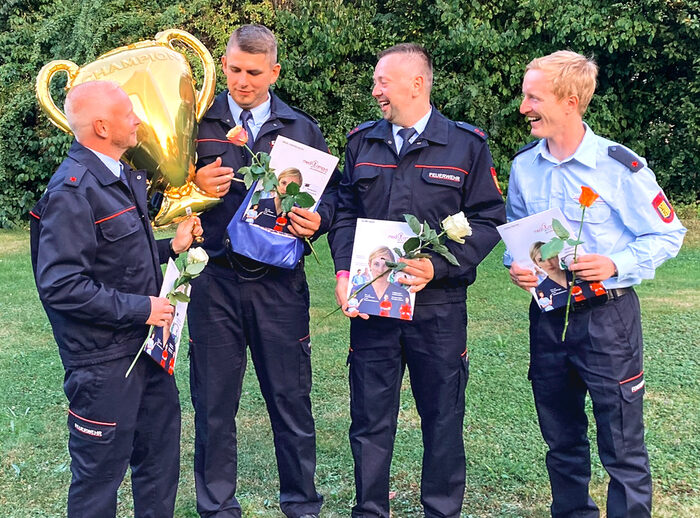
x=506 y=476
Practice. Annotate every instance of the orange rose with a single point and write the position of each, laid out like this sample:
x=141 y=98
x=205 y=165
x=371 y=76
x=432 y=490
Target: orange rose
x=237 y=136
x=588 y=196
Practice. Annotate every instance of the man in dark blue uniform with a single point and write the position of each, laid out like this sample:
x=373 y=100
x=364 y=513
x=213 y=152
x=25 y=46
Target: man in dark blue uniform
x=627 y=233
x=238 y=302
x=96 y=267
x=415 y=161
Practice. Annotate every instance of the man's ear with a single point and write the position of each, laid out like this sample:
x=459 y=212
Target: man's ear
x=418 y=85
x=100 y=127
x=572 y=103
x=275 y=72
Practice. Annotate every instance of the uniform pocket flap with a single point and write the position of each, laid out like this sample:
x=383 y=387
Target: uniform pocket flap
x=633 y=388
x=97 y=431
x=119 y=225
x=211 y=148
x=596 y=213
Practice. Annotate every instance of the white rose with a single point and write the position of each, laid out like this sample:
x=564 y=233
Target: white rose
x=197 y=255
x=457 y=227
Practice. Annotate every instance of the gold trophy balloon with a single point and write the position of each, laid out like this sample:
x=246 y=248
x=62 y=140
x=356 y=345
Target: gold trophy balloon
x=159 y=83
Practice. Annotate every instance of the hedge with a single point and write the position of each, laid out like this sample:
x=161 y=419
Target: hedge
x=648 y=52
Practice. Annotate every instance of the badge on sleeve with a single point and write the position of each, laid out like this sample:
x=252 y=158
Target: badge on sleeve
x=495 y=180
x=663 y=207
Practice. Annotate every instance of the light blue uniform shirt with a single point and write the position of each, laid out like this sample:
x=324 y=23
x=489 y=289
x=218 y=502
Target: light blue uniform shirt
x=418 y=126
x=628 y=223
x=260 y=113
x=110 y=163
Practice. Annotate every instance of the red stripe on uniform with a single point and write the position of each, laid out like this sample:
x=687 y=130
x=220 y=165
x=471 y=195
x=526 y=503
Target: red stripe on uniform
x=442 y=167
x=632 y=378
x=115 y=215
x=32 y=214
x=89 y=421
x=392 y=166
x=213 y=140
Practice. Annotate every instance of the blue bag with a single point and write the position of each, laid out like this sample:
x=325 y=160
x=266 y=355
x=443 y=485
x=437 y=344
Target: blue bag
x=262 y=244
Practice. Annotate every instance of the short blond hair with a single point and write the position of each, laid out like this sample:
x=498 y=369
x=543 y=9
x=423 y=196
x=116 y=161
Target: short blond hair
x=570 y=73
x=293 y=172
x=381 y=251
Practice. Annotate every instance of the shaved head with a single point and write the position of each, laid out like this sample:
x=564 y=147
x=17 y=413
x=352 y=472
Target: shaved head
x=87 y=102
x=101 y=117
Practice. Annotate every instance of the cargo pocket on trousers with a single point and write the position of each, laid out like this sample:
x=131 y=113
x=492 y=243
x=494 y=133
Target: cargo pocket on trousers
x=95 y=431
x=632 y=393
x=305 y=364
x=463 y=379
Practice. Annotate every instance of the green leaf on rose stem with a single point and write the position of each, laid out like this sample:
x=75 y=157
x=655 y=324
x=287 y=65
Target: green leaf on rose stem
x=178 y=296
x=292 y=188
x=255 y=198
x=287 y=203
x=264 y=159
x=391 y=264
x=451 y=258
x=183 y=279
x=244 y=170
x=257 y=170
x=421 y=255
x=411 y=244
x=269 y=183
x=440 y=249
x=398 y=252
x=304 y=200
x=412 y=222
x=400 y=266
x=248 y=179
x=574 y=242
x=552 y=248
x=195 y=268
x=559 y=229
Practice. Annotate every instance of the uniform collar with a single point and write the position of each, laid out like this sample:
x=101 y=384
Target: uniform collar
x=220 y=109
x=435 y=130
x=585 y=153
x=89 y=159
x=260 y=113
x=418 y=126
x=110 y=163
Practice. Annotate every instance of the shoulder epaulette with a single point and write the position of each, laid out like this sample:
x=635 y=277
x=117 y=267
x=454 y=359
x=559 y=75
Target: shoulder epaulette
x=361 y=127
x=472 y=129
x=305 y=115
x=527 y=146
x=74 y=175
x=625 y=157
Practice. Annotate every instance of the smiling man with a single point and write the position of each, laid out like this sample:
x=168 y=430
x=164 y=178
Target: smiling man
x=627 y=233
x=231 y=300
x=97 y=270
x=414 y=161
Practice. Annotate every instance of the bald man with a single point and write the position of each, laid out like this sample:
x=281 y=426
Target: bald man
x=97 y=270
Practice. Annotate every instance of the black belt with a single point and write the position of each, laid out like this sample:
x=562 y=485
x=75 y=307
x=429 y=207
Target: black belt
x=246 y=269
x=610 y=294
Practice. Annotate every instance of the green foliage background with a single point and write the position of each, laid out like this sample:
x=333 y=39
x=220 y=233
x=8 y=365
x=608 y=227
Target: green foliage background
x=648 y=52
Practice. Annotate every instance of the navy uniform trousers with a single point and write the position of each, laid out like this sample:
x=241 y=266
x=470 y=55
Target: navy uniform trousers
x=270 y=314
x=602 y=355
x=433 y=346
x=116 y=422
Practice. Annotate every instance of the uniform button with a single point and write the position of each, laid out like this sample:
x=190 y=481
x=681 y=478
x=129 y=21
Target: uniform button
x=419 y=142
x=138 y=177
x=389 y=142
x=274 y=124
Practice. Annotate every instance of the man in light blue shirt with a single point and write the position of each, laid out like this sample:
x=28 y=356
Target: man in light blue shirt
x=627 y=233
